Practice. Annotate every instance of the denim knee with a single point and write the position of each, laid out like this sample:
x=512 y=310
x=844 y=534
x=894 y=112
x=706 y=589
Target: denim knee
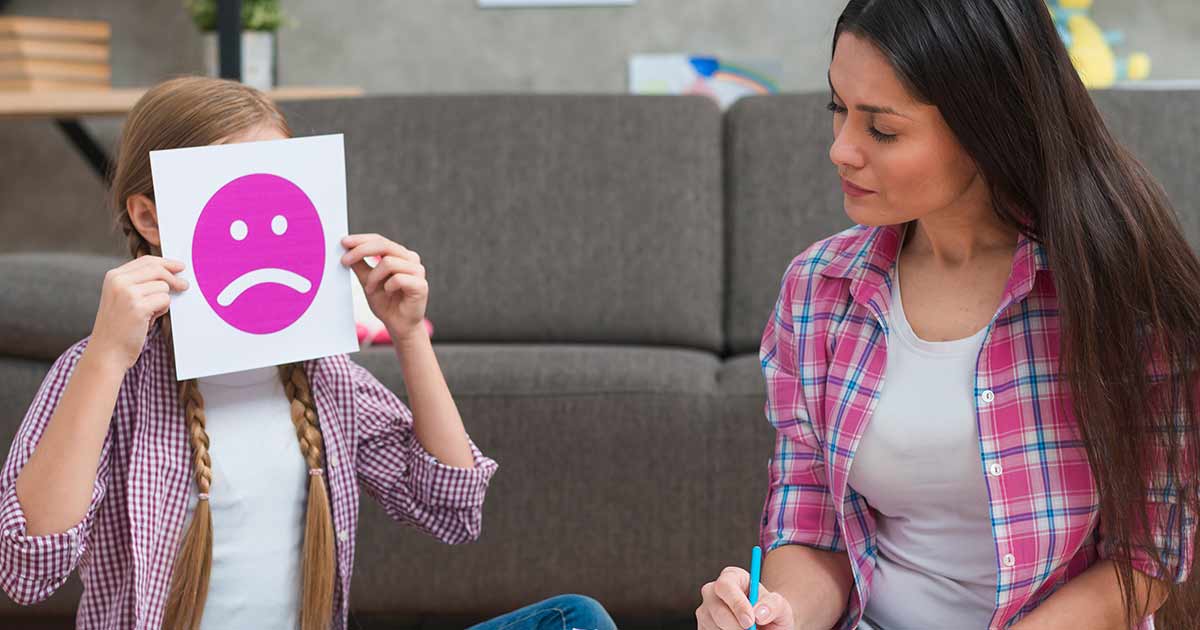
x=581 y=608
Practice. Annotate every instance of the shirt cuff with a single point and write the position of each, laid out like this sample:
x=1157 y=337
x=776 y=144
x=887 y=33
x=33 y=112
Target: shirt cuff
x=49 y=555
x=437 y=484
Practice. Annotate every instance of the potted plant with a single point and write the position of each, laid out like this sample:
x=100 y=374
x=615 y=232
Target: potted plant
x=260 y=21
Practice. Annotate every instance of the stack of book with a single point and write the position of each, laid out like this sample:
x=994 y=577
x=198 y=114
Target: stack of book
x=40 y=54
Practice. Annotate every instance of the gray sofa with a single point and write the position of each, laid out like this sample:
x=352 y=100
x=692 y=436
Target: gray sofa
x=601 y=269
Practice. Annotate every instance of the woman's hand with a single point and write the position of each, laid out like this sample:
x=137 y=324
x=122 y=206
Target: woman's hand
x=396 y=288
x=725 y=605
x=132 y=297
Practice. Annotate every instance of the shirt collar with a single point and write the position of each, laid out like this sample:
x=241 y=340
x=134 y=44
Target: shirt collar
x=867 y=260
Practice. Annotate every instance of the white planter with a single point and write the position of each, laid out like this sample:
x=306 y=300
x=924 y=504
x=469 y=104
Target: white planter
x=258 y=58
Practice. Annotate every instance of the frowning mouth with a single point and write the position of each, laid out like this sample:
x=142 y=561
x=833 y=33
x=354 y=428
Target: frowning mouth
x=250 y=279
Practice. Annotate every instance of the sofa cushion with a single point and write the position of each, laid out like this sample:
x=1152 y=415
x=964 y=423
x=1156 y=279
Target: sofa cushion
x=48 y=301
x=619 y=466
x=627 y=474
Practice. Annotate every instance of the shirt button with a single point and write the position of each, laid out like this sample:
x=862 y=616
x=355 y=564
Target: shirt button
x=988 y=396
x=1009 y=560
x=996 y=470
x=333 y=460
x=343 y=536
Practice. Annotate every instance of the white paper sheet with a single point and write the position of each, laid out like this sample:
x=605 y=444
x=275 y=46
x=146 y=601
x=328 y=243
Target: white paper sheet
x=259 y=226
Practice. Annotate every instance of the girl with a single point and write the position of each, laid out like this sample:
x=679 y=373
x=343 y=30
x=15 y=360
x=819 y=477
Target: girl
x=186 y=505
x=984 y=393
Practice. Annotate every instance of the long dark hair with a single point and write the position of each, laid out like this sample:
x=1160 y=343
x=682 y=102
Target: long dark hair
x=1128 y=284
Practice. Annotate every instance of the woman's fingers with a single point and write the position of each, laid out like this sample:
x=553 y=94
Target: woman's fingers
x=714 y=611
x=723 y=618
x=731 y=588
x=772 y=610
x=725 y=605
x=704 y=620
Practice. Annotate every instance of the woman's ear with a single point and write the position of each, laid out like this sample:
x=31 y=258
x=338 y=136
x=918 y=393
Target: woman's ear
x=144 y=217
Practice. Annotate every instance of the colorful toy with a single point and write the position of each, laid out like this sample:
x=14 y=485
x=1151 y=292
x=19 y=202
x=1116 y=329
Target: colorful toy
x=1091 y=47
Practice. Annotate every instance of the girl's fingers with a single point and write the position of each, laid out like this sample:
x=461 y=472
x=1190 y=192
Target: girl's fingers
x=155 y=271
x=154 y=286
x=156 y=304
x=374 y=242
x=353 y=240
x=172 y=265
x=362 y=270
x=390 y=266
x=405 y=284
x=378 y=247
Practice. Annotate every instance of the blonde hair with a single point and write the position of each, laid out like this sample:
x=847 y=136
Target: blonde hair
x=199 y=111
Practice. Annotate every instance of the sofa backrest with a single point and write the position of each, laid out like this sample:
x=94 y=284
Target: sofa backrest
x=783 y=193
x=544 y=218
x=600 y=219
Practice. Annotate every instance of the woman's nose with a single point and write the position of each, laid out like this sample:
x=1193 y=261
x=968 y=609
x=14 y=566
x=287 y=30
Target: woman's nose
x=844 y=152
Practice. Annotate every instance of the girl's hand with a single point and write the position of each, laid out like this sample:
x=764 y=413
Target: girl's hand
x=132 y=297
x=396 y=288
x=725 y=605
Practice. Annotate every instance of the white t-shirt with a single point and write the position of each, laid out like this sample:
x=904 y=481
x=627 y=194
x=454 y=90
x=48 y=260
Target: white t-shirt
x=919 y=468
x=258 y=497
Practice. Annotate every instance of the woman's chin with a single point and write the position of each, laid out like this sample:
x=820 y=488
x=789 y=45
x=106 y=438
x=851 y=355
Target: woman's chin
x=864 y=213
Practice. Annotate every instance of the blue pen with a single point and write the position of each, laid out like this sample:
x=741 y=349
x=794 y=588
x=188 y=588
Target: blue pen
x=755 y=574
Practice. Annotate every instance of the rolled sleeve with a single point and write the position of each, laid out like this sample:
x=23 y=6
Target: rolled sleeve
x=1173 y=533
x=410 y=484
x=1170 y=506
x=33 y=567
x=437 y=484
x=799 y=507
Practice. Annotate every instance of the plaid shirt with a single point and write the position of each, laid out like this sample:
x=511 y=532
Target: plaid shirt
x=823 y=355
x=125 y=545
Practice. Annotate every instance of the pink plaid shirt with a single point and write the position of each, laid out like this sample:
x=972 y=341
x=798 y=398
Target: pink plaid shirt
x=125 y=545
x=823 y=355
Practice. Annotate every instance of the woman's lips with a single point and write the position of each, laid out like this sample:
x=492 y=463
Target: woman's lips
x=855 y=191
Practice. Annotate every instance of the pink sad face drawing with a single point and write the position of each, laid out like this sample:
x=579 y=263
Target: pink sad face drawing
x=258 y=253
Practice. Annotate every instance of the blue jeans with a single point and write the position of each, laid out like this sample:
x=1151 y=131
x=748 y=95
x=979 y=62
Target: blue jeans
x=565 y=612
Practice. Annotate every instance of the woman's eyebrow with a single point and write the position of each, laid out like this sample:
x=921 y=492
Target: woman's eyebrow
x=870 y=109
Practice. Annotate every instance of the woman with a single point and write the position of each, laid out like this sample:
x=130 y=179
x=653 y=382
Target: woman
x=984 y=392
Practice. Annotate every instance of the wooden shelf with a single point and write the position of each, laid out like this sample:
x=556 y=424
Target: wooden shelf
x=118 y=102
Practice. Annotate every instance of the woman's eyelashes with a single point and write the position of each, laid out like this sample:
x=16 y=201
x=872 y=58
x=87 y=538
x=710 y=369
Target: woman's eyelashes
x=876 y=134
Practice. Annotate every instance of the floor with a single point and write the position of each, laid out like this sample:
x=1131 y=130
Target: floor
x=362 y=622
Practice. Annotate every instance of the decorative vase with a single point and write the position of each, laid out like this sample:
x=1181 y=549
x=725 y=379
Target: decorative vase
x=258 y=58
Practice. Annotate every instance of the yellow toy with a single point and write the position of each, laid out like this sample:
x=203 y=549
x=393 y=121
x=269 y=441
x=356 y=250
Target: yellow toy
x=1091 y=48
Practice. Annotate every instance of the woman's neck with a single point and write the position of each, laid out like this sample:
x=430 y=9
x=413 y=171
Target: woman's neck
x=958 y=235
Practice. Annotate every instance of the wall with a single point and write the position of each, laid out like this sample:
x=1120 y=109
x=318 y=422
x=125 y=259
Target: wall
x=49 y=198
